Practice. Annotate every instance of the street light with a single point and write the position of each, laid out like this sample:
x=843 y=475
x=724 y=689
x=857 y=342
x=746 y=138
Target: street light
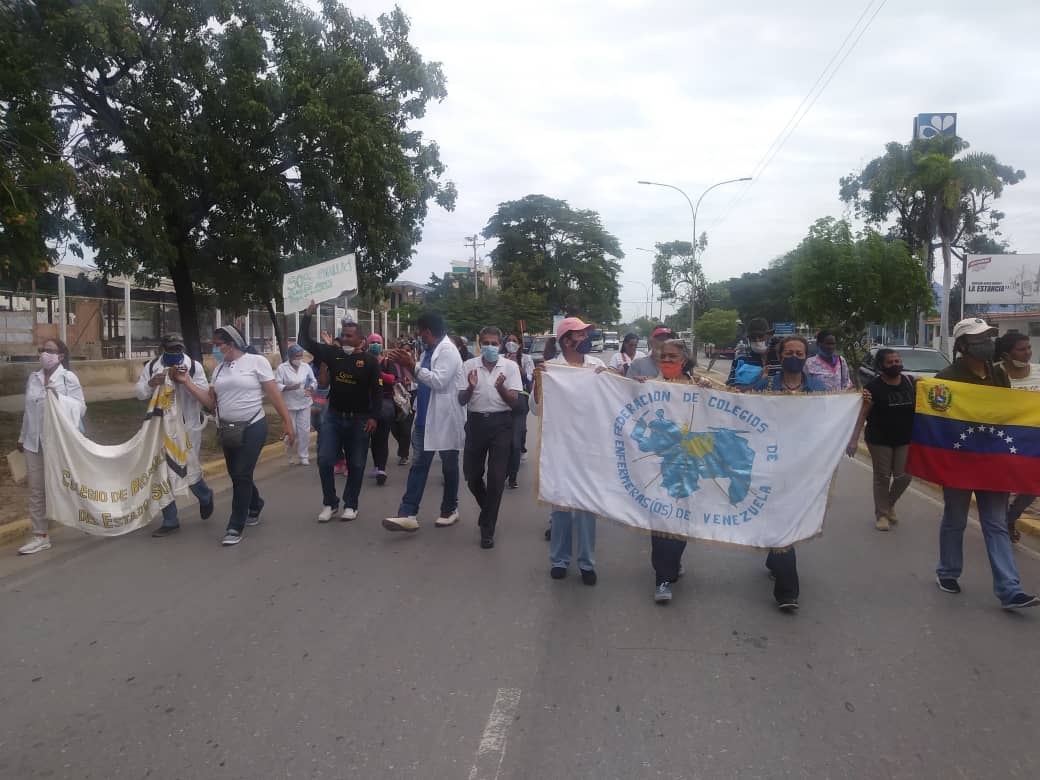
x=650 y=314
x=693 y=246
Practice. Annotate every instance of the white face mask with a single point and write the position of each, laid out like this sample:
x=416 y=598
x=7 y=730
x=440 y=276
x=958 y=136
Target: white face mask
x=1020 y=364
x=49 y=361
x=512 y=347
x=759 y=346
x=295 y=362
x=348 y=350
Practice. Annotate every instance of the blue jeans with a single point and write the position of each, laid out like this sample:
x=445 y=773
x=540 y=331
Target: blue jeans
x=342 y=433
x=240 y=464
x=584 y=523
x=202 y=493
x=422 y=459
x=993 y=519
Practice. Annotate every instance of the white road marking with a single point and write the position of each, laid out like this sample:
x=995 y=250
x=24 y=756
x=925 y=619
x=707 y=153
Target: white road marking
x=972 y=519
x=492 y=749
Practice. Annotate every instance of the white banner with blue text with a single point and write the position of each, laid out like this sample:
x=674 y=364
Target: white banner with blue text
x=689 y=461
x=109 y=490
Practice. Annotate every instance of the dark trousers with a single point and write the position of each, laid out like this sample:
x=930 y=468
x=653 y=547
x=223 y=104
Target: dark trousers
x=784 y=566
x=342 y=433
x=488 y=439
x=401 y=428
x=1018 y=506
x=519 y=438
x=240 y=463
x=381 y=443
x=666 y=557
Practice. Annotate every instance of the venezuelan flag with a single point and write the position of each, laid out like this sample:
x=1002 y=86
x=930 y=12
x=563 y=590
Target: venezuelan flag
x=974 y=436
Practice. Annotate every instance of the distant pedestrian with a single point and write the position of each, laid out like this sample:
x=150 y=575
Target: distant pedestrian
x=240 y=384
x=439 y=425
x=973 y=348
x=827 y=365
x=1016 y=356
x=297 y=383
x=156 y=373
x=490 y=392
x=647 y=366
x=355 y=400
x=888 y=411
x=381 y=436
x=755 y=356
x=572 y=336
x=549 y=349
x=518 y=447
x=54 y=376
x=627 y=354
x=404 y=399
x=462 y=345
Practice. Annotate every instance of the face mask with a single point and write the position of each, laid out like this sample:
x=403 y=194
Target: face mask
x=295 y=363
x=1020 y=363
x=793 y=365
x=983 y=351
x=584 y=347
x=348 y=350
x=892 y=371
x=489 y=352
x=671 y=370
x=376 y=349
x=512 y=347
x=826 y=354
x=49 y=361
x=172 y=358
x=759 y=347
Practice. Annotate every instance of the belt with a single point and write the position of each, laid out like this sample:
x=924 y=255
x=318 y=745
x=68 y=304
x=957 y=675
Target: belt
x=489 y=414
x=339 y=413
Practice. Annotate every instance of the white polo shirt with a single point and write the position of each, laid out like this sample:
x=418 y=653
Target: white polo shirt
x=486 y=398
x=240 y=397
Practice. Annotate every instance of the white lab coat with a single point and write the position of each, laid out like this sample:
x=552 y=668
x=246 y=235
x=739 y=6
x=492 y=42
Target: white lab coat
x=190 y=408
x=65 y=384
x=445 y=418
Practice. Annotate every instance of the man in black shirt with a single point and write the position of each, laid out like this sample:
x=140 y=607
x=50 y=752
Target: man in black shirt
x=355 y=399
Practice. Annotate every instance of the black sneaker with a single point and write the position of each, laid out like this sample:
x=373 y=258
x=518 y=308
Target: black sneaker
x=486 y=543
x=663 y=592
x=948 y=584
x=1021 y=601
x=253 y=518
x=548 y=533
x=558 y=572
x=231 y=538
x=513 y=484
x=206 y=510
x=402 y=461
x=787 y=605
x=165 y=530
x=588 y=576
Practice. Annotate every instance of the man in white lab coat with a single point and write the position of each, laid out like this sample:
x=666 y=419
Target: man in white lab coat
x=439 y=423
x=157 y=372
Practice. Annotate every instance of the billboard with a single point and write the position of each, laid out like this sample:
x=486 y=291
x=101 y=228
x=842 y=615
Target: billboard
x=934 y=125
x=1003 y=279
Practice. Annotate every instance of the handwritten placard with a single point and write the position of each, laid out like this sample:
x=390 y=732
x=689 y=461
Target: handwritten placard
x=320 y=282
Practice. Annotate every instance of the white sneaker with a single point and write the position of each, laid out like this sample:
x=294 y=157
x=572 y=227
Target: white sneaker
x=444 y=522
x=293 y=461
x=305 y=462
x=348 y=514
x=326 y=514
x=409 y=524
x=35 y=545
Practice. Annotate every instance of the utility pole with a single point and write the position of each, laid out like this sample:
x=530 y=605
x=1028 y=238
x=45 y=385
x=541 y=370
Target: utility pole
x=472 y=243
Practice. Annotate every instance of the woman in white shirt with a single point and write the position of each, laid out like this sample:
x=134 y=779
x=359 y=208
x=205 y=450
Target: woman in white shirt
x=237 y=391
x=626 y=355
x=54 y=375
x=1016 y=356
x=518 y=446
x=296 y=381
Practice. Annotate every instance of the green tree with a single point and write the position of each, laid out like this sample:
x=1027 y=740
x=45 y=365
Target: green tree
x=718 y=326
x=641 y=326
x=212 y=139
x=676 y=272
x=463 y=313
x=766 y=293
x=844 y=282
x=551 y=258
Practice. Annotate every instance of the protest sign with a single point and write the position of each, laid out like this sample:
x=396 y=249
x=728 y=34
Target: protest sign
x=318 y=283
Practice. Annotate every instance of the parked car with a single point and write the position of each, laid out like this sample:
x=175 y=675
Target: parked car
x=917 y=362
x=643 y=345
x=610 y=341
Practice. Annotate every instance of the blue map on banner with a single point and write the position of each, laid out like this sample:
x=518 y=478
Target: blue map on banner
x=687 y=456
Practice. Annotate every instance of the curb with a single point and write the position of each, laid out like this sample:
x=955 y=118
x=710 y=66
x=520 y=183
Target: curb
x=15 y=531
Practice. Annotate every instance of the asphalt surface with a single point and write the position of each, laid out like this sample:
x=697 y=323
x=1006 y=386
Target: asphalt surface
x=345 y=651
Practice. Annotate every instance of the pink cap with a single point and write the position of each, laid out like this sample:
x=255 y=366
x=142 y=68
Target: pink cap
x=375 y=338
x=662 y=331
x=567 y=325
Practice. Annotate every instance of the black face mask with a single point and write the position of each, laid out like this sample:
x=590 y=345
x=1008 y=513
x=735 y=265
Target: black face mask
x=892 y=371
x=983 y=351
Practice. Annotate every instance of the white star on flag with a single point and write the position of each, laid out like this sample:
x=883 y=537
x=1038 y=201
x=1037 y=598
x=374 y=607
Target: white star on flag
x=964 y=436
x=957 y=445
x=1008 y=439
x=971 y=430
x=1014 y=450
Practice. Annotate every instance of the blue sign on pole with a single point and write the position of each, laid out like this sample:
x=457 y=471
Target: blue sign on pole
x=783 y=328
x=934 y=125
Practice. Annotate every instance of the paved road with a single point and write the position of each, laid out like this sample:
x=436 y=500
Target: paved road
x=344 y=651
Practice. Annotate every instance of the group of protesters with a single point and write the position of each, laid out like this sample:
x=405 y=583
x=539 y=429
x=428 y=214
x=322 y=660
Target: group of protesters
x=442 y=400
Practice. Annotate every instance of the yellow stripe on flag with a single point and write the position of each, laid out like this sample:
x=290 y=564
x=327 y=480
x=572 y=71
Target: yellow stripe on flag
x=977 y=403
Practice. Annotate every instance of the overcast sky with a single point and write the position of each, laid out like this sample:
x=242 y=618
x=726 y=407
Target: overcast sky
x=578 y=100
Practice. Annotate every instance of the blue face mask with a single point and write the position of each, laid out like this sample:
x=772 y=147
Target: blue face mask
x=375 y=349
x=172 y=358
x=489 y=353
x=584 y=347
x=827 y=355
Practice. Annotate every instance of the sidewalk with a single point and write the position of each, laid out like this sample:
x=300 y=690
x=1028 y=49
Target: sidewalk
x=13 y=404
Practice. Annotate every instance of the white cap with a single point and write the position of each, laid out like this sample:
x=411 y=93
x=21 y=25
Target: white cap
x=972 y=326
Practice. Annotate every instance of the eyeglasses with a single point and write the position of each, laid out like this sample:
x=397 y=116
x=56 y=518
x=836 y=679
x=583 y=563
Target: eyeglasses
x=49 y=351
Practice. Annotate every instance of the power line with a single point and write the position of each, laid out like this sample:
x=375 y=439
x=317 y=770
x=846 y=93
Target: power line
x=798 y=115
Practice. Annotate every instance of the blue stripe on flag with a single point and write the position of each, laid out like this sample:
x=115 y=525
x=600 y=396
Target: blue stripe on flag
x=961 y=436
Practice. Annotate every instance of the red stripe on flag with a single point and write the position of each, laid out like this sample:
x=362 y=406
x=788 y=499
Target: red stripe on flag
x=975 y=471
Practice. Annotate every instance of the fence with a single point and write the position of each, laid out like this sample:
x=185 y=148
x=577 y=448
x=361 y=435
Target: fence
x=131 y=324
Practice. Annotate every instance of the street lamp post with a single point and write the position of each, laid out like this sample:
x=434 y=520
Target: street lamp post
x=649 y=306
x=693 y=246
x=650 y=314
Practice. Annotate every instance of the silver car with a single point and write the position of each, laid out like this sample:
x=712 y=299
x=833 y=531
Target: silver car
x=917 y=362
